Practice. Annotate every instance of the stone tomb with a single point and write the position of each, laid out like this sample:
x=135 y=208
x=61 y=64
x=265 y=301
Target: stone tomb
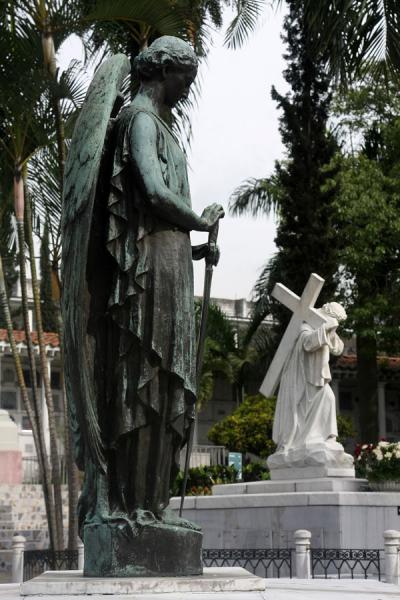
x=339 y=512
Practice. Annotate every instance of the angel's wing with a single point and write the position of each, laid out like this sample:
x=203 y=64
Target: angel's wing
x=82 y=172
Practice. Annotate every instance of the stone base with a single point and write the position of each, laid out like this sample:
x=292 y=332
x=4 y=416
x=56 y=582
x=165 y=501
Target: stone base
x=314 y=455
x=324 y=484
x=147 y=550
x=310 y=473
x=73 y=583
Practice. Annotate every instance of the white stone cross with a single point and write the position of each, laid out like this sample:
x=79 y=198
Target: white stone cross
x=303 y=310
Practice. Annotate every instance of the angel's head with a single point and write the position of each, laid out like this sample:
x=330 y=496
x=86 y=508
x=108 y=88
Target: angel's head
x=172 y=61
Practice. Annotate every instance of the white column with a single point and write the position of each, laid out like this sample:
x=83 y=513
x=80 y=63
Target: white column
x=382 y=409
x=335 y=389
x=302 y=540
x=392 y=556
x=81 y=555
x=17 y=560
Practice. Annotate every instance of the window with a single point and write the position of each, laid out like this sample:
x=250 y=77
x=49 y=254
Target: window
x=26 y=424
x=8 y=400
x=58 y=408
x=345 y=400
x=55 y=380
x=8 y=375
x=27 y=376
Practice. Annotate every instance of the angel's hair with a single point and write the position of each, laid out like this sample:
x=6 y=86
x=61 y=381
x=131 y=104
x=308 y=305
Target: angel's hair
x=165 y=51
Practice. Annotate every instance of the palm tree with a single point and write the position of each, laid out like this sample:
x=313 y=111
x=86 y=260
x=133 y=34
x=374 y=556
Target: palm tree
x=25 y=127
x=356 y=36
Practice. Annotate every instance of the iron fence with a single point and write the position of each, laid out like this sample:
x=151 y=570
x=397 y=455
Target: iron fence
x=327 y=563
x=262 y=562
x=38 y=561
x=268 y=562
x=205 y=456
x=30 y=468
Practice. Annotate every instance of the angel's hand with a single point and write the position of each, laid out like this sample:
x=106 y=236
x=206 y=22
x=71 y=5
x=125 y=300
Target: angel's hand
x=213 y=254
x=212 y=214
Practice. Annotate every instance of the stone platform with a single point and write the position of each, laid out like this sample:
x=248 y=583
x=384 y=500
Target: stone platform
x=339 y=513
x=276 y=589
x=73 y=583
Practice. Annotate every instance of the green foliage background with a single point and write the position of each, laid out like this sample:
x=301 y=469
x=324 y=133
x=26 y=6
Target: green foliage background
x=248 y=428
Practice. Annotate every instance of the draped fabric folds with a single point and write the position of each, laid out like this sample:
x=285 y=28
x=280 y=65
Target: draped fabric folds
x=151 y=301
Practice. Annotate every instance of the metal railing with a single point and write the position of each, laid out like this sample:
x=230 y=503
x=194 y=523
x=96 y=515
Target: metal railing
x=205 y=456
x=264 y=562
x=30 y=469
x=38 y=561
x=267 y=562
x=348 y=563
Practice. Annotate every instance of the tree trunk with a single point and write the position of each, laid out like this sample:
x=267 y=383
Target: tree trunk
x=367 y=386
x=72 y=470
x=55 y=460
x=38 y=437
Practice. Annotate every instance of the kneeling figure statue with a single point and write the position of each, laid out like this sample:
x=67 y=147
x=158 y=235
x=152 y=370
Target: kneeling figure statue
x=305 y=424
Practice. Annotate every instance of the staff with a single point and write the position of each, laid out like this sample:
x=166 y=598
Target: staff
x=212 y=242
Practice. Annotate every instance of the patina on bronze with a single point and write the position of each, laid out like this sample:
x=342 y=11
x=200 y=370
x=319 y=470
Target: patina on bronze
x=128 y=313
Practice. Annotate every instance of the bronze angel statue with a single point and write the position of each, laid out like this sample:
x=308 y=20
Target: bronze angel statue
x=128 y=310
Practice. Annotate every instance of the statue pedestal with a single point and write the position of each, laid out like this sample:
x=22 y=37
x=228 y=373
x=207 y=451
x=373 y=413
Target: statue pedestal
x=74 y=584
x=315 y=472
x=118 y=549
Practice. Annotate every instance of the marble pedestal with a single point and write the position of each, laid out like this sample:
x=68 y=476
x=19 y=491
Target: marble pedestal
x=73 y=583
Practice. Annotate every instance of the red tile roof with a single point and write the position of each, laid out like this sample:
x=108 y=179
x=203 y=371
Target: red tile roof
x=50 y=339
x=349 y=361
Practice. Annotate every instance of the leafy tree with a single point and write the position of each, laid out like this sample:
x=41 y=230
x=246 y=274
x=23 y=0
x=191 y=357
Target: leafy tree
x=369 y=225
x=303 y=205
x=368 y=204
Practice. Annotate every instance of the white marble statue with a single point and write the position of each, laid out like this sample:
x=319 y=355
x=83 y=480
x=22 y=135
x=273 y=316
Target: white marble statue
x=305 y=425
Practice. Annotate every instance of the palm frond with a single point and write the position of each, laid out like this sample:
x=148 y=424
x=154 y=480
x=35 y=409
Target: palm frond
x=244 y=23
x=43 y=184
x=161 y=15
x=255 y=197
x=356 y=36
x=261 y=297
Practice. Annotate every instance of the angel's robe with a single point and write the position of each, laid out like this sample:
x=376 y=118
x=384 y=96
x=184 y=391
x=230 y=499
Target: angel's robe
x=151 y=388
x=306 y=407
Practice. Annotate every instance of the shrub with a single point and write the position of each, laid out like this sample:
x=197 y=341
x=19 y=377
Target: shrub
x=255 y=472
x=345 y=429
x=201 y=479
x=248 y=428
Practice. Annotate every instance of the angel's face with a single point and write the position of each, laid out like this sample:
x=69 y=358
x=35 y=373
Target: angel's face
x=177 y=83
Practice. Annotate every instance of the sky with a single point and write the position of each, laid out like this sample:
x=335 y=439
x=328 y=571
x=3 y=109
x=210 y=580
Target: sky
x=235 y=137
